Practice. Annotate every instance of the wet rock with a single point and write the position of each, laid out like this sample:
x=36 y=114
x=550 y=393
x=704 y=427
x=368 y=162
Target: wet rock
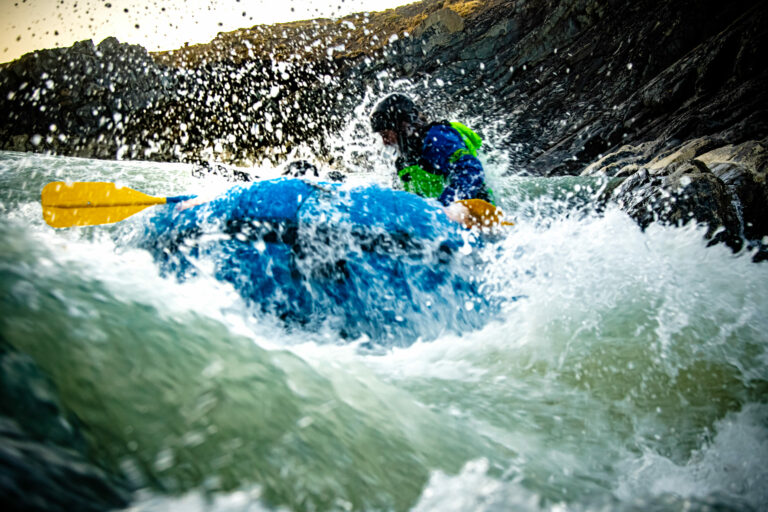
x=685 y=152
x=680 y=193
x=722 y=185
x=744 y=170
x=623 y=162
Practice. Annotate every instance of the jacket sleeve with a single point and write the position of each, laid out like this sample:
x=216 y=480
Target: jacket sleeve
x=466 y=180
x=465 y=176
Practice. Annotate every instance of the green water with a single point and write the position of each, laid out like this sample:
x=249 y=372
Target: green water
x=632 y=375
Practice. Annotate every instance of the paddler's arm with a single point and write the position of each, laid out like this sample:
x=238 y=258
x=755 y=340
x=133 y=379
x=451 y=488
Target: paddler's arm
x=466 y=180
x=446 y=153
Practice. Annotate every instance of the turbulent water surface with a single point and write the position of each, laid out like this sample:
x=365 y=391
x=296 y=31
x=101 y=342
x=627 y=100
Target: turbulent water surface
x=629 y=373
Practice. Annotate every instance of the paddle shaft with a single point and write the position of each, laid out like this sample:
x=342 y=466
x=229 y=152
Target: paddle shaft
x=92 y=203
x=107 y=204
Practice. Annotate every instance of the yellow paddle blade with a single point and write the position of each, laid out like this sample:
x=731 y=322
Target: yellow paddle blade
x=483 y=214
x=91 y=203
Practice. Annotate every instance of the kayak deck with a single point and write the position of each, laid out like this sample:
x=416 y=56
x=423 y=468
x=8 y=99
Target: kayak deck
x=360 y=262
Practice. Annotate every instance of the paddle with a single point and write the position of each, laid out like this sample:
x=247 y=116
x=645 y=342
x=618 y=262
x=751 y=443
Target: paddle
x=91 y=203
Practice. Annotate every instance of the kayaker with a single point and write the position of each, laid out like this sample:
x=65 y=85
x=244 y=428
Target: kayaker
x=437 y=159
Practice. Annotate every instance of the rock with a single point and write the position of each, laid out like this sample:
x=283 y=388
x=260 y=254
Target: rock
x=438 y=28
x=84 y=91
x=752 y=155
x=110 y=45
x=680 y=193
x=744 y=170
x=721 y=185
x=623 y=162
x=444 y=21
x=685 y=152
x=669 y=90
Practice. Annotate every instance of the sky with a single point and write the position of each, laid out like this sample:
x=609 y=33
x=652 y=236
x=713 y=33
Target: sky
x=28 y=25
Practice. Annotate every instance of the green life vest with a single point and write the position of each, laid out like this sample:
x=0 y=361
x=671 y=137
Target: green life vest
x=470 y=138
x=426 y=184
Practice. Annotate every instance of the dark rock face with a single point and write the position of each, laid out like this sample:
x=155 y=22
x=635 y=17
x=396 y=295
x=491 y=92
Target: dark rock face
x=578 y=79
x=744 y=171
x=113 y=101
x=78 y=100
x=647 y=91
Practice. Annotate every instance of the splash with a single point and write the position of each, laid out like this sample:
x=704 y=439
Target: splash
x=630 y=372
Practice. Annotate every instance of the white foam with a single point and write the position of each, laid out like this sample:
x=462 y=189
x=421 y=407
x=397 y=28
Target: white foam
x=473 y=489
x=733 y=465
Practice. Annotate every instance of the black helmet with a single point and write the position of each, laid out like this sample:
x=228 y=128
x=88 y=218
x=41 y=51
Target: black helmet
x=391 y=111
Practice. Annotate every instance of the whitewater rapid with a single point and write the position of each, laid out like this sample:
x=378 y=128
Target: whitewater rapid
x=627 y=370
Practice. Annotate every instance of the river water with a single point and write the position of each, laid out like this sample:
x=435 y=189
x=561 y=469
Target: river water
x=627 y=370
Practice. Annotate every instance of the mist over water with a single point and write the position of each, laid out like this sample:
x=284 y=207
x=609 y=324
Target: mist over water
x=626 y=369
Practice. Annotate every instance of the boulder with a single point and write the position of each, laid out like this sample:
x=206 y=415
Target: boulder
x=743 y=169
x=680 y=193
x=703 y=180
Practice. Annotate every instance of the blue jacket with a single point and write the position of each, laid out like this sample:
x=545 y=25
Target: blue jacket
x=465 y=177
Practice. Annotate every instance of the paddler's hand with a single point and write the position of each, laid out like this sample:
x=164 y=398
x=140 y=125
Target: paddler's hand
x=476 y=213
x=189 y=203
x=457 y=212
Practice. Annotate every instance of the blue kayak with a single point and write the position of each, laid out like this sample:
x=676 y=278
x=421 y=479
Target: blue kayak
x=360 y=262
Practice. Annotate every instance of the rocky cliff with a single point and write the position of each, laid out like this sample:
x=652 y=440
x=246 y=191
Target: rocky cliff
x=668 y=96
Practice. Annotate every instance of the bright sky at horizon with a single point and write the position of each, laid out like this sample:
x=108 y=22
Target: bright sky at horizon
x=28 y=25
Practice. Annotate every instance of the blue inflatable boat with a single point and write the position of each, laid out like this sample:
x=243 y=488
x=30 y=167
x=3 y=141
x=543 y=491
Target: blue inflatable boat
x=364 y=262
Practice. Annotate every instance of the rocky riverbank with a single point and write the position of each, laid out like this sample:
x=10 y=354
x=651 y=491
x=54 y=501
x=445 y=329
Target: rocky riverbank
x=669 y=96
